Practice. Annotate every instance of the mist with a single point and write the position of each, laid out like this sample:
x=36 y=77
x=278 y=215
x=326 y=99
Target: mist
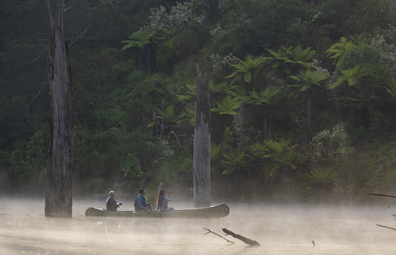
x=279 y=228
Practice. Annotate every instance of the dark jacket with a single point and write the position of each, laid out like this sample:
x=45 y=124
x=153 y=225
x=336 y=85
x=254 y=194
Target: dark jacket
x=111 y=204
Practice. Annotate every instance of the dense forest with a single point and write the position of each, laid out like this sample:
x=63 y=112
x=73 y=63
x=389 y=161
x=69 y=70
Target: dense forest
x=303 y=96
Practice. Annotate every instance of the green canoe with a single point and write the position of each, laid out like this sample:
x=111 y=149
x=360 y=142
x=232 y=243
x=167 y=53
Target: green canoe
x=211 y=212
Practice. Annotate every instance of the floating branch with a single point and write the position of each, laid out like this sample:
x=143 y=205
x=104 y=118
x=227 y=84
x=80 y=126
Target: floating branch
x=385 y=227
x=210 y=231
x=382 y=195
x=242 y=238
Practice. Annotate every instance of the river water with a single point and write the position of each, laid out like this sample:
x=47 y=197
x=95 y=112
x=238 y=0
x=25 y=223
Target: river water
x=280 y=229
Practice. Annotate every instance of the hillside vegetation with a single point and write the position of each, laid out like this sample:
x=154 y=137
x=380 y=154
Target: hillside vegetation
x=303 y=96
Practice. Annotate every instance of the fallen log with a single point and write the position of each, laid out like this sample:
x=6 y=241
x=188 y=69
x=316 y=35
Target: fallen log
x=210 y=231
x=242 y=238
x=385 y=227
x=382 y=195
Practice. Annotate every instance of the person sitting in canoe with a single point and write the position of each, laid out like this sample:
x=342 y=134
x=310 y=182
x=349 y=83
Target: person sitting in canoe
x=140 y=203
x=162 y=202
x=111 y=203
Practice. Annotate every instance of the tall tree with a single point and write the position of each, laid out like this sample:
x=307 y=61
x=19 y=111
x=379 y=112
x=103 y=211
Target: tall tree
x=201 y=160
x=307 y=79
x=58 y=183
x=140 y=39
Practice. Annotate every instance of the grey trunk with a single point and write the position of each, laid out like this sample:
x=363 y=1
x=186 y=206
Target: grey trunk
x=201 y=160
x=58 y=182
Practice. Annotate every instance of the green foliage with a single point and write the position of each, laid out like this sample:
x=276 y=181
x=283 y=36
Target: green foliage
x=268 y=96
x=35 y=150
x=322 y=175
x=275 y=42
x=246 y=69
x=307 y=78
x=236 y=160
x=391 y=89
x=338 y=50
x=214 y=151
x=227 y=106
x=283 y=155
x=131 y=167
x=349 y=75
x=138 y=39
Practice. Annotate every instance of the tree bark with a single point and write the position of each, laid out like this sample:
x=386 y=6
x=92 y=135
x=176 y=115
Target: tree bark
x=58 y=183
x=201 y=161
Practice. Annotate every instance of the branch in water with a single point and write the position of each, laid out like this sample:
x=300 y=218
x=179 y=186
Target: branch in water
x=242 y=238
x=385 y=227
x=382 y=195
x=210 y=231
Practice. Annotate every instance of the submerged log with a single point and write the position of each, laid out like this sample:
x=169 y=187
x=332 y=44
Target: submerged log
x=382 y=195
x=382 y=226
x=210 y=231
x=242 y=238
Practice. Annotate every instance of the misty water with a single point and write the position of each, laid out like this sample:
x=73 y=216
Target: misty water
x=280 y=229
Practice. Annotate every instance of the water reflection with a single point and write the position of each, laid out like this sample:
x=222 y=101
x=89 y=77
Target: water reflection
x=279 y=229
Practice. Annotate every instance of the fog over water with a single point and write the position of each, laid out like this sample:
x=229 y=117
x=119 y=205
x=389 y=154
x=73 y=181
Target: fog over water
x=281 y=229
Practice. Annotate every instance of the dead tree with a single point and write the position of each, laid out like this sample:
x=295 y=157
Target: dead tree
x=242 y=238
x=201 y=157
x=58 y=182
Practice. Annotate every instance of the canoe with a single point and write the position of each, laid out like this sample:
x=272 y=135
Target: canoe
x=210 y=212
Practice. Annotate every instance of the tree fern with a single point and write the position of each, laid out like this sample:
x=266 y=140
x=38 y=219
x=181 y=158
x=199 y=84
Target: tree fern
x=338 y=50
x=391 y=87
x=227 y=106
x=138 y=39
x=349 y=75
x=270 y=95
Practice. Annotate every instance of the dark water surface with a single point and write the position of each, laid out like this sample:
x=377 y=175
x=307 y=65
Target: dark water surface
x=281 y=229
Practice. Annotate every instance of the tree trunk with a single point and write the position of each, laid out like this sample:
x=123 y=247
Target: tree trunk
x=201 y=161
x=270 y=126
x=155 y=127
x=58 y=183
x=148 y=61
x=338 y=110
x=309 y=107
x=265 y=126
x=351 y=115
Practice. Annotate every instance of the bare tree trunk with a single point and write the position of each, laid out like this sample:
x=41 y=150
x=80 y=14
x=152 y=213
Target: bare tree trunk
x=201 y=161
x=58 y=183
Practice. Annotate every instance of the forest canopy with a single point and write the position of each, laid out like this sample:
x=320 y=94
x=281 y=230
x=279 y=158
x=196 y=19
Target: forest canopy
x=303 y=96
